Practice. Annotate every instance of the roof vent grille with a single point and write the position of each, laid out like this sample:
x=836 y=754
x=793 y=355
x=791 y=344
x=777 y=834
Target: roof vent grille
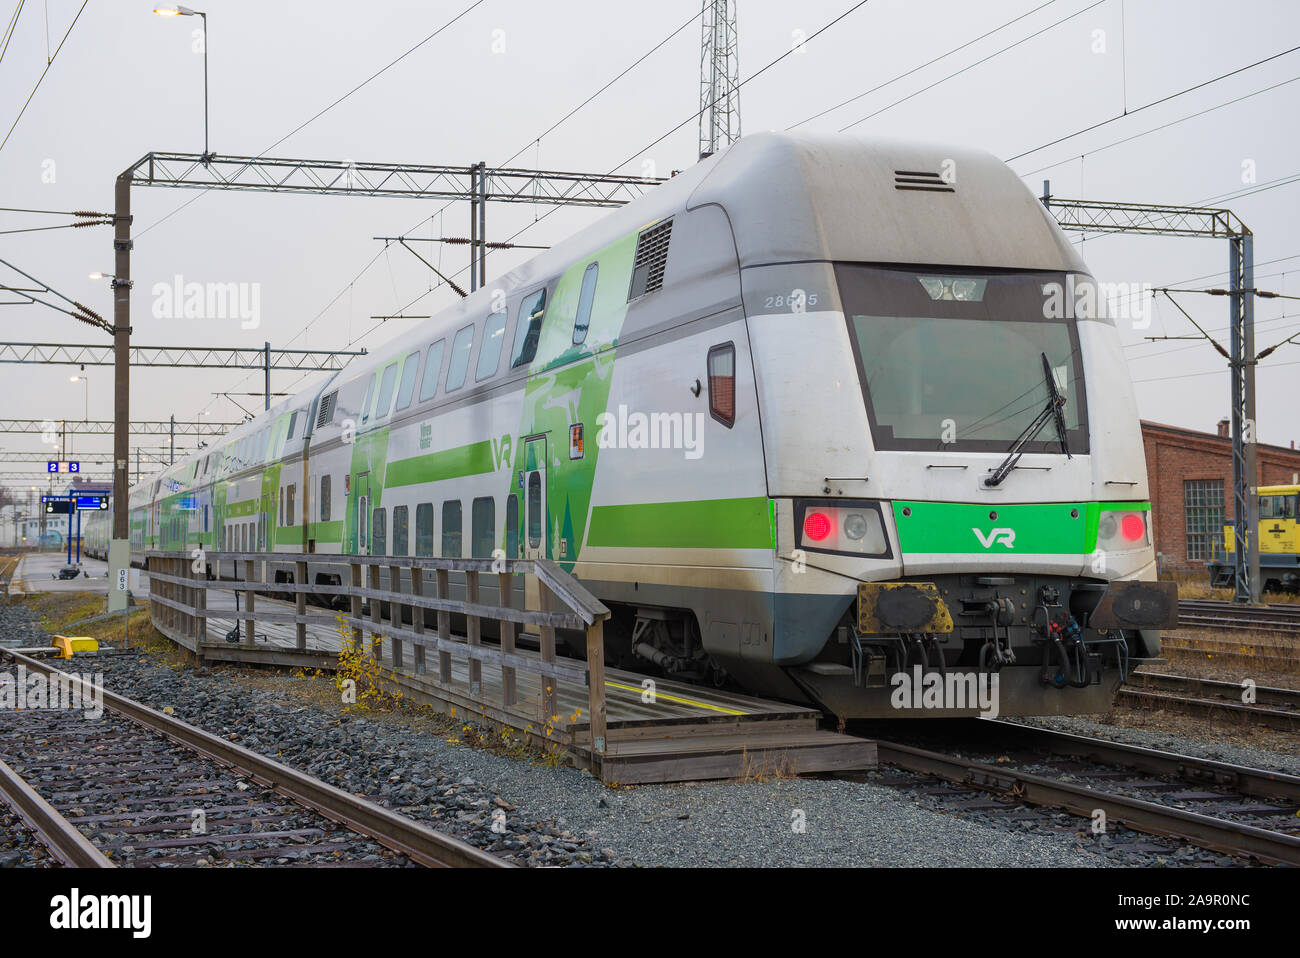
x=926 y=182
x=651 y=258
x=327 y=409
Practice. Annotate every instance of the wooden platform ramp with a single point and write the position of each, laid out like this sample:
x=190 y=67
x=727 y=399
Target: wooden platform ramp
x=625 y=727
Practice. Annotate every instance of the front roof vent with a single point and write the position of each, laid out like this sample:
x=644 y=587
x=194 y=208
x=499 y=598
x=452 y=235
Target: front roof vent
x=926 y=182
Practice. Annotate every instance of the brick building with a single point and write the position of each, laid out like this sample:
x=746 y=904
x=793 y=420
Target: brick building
x=1190 y=476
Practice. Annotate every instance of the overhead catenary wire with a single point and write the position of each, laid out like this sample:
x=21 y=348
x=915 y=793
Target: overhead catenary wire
x=1146 y=106
x=980 y=62
x=41 y=79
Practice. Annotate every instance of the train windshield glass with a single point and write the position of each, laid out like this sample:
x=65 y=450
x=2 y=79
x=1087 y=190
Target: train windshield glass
x=952 y=359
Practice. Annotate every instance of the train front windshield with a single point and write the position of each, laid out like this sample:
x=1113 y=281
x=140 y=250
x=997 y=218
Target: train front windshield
x=953 y=359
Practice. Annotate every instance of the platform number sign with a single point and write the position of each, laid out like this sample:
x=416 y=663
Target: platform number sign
x=122 y=577
x=51 y=465
x=74 y=467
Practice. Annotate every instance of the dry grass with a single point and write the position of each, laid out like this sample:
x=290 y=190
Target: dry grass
x=1196 y=585
x=765 y=767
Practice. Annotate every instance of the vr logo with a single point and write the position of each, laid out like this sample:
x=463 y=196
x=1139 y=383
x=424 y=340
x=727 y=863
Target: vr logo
x=1006 y=536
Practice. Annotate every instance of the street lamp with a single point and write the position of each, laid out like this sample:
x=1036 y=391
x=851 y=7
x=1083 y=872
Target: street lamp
x=179 y=11
x=85 y=381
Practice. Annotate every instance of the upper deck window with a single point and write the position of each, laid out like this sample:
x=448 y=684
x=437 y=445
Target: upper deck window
x=528 y=328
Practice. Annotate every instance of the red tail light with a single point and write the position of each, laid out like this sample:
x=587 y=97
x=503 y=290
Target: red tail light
x=1132 y=528
x=817 y=526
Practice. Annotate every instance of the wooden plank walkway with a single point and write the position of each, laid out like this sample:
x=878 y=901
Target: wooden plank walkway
x=657 y=730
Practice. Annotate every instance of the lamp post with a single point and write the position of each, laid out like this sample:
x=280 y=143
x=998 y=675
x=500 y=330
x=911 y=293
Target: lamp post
x=179 y=11
x=85 y=381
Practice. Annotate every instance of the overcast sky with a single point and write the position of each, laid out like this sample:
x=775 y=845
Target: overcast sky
x=127 y=82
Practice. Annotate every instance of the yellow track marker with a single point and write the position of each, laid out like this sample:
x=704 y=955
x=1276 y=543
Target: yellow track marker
x=676 y=698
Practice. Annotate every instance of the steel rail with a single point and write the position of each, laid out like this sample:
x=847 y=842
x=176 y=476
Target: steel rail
x=1256 y=782
x=1187 y=695
x=55 y=832
x=397 y=832
x=1234 y=838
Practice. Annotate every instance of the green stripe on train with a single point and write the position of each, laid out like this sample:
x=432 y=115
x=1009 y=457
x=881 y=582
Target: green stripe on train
x=1054 y=528
x=472 y=460
x=698 y=524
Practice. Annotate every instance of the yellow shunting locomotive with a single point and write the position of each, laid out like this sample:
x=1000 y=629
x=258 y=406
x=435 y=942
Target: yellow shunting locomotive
x=1279 y=542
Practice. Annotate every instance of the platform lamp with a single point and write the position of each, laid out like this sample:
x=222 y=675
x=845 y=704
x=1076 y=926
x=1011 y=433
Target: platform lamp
x=179 y=11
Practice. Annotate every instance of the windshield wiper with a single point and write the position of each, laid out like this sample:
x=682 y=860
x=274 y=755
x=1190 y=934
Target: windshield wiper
x=1051 y=412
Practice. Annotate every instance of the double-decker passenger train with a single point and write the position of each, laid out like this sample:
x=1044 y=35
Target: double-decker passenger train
x=814 y=414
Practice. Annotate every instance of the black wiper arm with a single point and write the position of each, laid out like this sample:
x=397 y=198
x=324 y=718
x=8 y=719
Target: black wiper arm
x=1051 y=412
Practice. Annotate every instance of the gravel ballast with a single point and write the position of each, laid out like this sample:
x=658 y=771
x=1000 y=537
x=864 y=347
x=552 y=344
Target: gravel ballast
x=563 y=816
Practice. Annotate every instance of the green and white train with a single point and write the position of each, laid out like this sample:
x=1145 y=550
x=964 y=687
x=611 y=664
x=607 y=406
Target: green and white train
x=814 y=414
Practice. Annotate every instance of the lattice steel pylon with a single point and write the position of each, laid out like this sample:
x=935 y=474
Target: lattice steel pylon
x=719 y=77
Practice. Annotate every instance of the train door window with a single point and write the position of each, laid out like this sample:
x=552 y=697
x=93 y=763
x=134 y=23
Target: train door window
x=401 y=531
x=586 y=296
x=379 y=533
x=512 y=526
x=451 y=529
x=534 y=510
x=280 y=510
x=361 y=490
x=489 y=354
x=432 y=369
x=528 y=328
x=365 y=403
x=263 y=528
x=290 y=494
x=722 y=383
x=386 y=392
x=410 y=372
x=205 y=519
x=459 y=363
x=483 y=527
x=324 y=498
x=424 y=529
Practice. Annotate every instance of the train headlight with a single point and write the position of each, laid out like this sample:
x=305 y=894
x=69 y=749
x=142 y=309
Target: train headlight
x=855 y=525
x=842 y=527
x=1121 y=530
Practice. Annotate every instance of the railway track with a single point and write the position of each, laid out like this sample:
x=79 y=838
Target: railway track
x=139 y=787
x=1272 y=708
x=1231 y=809
x=1281 y=619
x=1230 y=652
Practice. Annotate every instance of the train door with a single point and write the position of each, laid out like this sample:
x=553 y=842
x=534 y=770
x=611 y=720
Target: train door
x=535 y=524
x=362 y=499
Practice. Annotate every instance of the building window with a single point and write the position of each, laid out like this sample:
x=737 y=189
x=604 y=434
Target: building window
x=401 y=531
x=451 y=529
x=424 y=529
x=1203 y=507
x=483 y=528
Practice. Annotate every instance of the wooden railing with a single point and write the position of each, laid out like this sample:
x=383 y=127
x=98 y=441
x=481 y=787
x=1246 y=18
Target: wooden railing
x=179 y=584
